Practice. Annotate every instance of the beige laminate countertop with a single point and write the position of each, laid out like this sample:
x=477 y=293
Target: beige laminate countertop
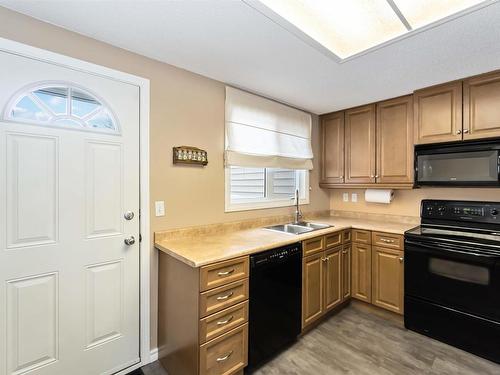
x=202 y=250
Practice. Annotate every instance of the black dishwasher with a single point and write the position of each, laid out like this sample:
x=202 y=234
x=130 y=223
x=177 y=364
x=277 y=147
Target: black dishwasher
x=275 y=302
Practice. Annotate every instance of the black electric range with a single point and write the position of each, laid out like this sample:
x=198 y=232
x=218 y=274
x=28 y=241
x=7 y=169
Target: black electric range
x=452 y=275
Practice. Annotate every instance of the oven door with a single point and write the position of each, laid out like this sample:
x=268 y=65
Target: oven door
x=455 y=276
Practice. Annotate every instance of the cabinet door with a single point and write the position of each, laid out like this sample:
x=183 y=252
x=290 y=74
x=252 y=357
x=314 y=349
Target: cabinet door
x=332 y=148
x=312 y=288
x=387 y=279
x=395 y=141
x=438 y=113
x=482 y=106
x=361 y=275
x=360 y=145
x=346 y=271
x=333 y=278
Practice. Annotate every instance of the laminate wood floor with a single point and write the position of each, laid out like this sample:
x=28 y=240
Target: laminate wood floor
x=361 y=340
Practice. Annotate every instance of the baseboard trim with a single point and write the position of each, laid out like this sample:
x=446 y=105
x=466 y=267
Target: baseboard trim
x=153 y=355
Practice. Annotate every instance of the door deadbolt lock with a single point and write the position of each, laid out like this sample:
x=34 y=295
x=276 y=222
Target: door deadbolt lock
x=129 y=215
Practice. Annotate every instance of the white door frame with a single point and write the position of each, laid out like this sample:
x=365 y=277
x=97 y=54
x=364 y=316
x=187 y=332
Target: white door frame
x=20 y=49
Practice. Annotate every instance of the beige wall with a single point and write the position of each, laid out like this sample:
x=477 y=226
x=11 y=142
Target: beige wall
x=186 y=109
x=407 y=202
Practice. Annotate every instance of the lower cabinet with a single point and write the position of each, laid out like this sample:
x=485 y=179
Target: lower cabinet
x=362 y=272
x=377 y=270
x=346 y=271
x=326 y=280
x=387 y=279
x=333 y=278
x=312 y=288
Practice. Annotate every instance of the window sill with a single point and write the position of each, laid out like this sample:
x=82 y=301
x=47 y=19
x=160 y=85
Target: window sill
x=235 y=207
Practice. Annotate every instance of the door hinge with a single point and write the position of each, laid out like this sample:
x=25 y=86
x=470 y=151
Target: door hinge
x=140 y=237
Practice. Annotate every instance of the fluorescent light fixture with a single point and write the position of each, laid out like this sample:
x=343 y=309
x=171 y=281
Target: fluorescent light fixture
x=423 y=12
x=348 y=27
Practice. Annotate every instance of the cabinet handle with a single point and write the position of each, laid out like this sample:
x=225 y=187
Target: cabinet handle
x=223 y=358
x=466 y=131
x=225 y=273
x=222 y=322
x=344 y=251
x=323 y=259
x=401 y=260
x=459 y=132
x=386 y=240
x=222 y=298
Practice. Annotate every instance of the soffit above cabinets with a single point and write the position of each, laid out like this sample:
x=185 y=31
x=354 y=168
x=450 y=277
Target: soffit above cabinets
x=246 y=45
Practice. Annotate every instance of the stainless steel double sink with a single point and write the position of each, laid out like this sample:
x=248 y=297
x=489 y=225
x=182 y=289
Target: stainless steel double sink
x=298 y=228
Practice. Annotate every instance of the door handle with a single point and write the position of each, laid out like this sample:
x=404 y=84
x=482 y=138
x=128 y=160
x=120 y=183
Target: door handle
x=129 y=241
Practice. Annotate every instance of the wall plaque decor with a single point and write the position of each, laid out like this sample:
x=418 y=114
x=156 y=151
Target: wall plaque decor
x=189 y=155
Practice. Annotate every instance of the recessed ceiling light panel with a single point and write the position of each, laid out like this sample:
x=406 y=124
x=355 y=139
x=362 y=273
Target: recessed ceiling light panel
x=348 y=27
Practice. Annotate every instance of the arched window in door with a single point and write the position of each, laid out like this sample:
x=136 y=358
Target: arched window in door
x=60 y=104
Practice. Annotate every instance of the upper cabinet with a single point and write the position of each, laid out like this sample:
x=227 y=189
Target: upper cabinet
x=372 y=145
x=395 y=141
x=438 y=113
x=360 y=145
x=332 y=148
x=482 y=106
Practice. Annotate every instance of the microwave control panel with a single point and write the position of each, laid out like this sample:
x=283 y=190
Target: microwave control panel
x=485 y=212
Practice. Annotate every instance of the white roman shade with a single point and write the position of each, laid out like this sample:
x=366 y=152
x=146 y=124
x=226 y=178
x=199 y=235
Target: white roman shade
x=263 y=133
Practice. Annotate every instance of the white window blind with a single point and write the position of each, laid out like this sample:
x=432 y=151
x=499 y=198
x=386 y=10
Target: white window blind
x=263 y=133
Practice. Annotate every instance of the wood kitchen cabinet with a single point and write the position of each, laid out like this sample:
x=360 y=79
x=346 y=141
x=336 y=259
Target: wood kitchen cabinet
x=332 y=148
x=482 y=106
x=346 y=271
x=326 y=276
x=438 y=113
x=333 y=290
x=387 y=278
x=394 y=152
x=362 y=272
x=360 y=145
x=312 y=288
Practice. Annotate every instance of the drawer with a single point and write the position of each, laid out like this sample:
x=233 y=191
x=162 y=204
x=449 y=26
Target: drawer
x=221 y=273
x=346 y=236
x=223 y=321
x=218 y=299
x=361 y=236
x=226 y=354
x=313 y=246
x=333 y=239
x=389 y=240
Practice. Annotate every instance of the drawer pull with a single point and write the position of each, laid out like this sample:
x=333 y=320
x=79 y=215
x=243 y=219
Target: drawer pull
x=222 y=298
x=401 y=260
x=222 y=359
x=223 y=322
x=225 y=273
x=386 y=240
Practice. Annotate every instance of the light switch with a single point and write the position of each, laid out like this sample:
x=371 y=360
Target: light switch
x=354 y=197
x=160 y=208
x=345 y=197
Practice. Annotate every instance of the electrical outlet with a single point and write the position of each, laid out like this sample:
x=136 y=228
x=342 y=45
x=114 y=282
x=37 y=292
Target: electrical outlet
x=354 y=197
x=345 y=197
x=160 y=208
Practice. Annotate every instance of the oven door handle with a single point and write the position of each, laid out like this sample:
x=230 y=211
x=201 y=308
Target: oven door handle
x=437 y=249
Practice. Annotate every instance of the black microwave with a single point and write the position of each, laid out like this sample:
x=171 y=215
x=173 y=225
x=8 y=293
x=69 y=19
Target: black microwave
x=468 y=163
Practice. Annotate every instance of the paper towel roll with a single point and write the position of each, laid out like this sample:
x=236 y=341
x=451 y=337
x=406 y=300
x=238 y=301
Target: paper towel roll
x=379 y=195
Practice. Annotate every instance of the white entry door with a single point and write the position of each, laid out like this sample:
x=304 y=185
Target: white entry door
x=69 y=186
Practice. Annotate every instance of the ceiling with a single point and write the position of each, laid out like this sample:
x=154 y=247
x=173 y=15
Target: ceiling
x=237 y=43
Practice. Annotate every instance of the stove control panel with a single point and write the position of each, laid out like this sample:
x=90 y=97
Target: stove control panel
x=485 y=212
